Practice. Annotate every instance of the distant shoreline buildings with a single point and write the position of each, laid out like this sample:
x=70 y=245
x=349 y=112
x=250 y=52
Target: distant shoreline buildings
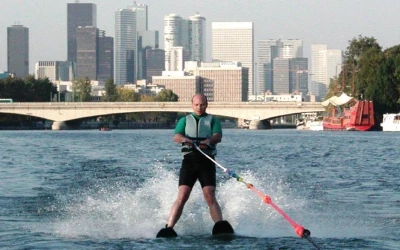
x=259 y=68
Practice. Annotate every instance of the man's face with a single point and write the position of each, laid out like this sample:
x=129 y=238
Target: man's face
x=199 y=105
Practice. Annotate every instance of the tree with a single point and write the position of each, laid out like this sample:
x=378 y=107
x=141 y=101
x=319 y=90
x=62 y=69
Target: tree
x=28 y=89
x=82 y=90
x=111 y=91
x=358 y=46
x=126 y=95
x=166 y=95
x=39 y=90
x=359 y=49
x=372 y=74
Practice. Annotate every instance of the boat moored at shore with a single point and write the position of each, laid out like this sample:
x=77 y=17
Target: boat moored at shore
x=391 y=122
x=309 y=121
x=347 y=113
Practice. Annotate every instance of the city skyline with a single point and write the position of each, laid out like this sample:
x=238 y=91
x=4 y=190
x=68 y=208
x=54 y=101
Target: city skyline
x=331 y=22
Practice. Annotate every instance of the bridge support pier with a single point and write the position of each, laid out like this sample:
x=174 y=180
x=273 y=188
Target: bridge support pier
x=258 y=124
x=59 y=126
x=254 y=124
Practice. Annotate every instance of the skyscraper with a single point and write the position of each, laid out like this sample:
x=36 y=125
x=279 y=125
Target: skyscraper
x=18 y=50
x=147 y=39
x=141 y=15
x=155 y=63
x=294 y=76
x=267 y=51
x=125 y=66
x=197 y=38
x=78 y=14
x=291 y=48
x=233 y=41
x=87 y=46
x=105 y=68
x=190 y=34
x=325 y=64
x=172 y=35
x=281 y=72
x=298 y=80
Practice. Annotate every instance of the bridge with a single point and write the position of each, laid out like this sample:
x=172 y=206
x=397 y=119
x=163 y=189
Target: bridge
x=61 y=112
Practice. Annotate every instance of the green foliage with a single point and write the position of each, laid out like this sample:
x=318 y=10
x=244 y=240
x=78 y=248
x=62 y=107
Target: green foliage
x=82 y=90
x=126 y=95
x=28 y=89
x=358 y=46
x=372 y=74
x=111 y=91
x=147 y=98
x=166 y=95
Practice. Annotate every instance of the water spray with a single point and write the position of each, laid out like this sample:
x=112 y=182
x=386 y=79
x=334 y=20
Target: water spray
x=300 y=230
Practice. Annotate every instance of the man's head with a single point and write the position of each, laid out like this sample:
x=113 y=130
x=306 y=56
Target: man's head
x=199 y=104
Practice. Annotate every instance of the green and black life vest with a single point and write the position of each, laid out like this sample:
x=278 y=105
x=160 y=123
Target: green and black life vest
x=200 y=130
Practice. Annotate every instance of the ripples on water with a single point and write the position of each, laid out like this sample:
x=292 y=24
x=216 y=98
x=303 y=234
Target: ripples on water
x=113 y=190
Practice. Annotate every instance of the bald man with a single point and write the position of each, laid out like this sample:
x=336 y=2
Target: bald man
x=205 y=131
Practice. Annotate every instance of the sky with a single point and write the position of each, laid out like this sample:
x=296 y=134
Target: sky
x=331 y=22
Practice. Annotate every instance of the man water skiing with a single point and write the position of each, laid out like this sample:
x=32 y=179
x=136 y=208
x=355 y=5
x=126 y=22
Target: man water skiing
x=205 y=131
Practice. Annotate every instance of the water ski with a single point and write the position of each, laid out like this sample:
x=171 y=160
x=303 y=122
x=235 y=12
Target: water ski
x=167 y=232
x=222 y=227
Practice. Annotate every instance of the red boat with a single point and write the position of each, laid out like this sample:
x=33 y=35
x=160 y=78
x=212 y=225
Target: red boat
x=356 y=114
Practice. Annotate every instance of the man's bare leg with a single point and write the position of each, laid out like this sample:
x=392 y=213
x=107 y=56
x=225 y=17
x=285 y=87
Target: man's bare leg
x=215 y=209
x=177 y=207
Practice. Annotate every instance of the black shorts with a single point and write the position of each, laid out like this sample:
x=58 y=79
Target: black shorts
x=196 y=166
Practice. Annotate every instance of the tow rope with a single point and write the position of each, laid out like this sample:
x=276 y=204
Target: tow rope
x=300 y=231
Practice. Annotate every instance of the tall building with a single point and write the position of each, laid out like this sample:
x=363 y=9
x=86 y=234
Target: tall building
x=125 y=66
x=335 y=60
x=233 y=41
x=291 y=48
x=147 y=39
x=55 y=70
x=267 y=51
x=78 y=14
x=131 y=40
x=293 y=76
x=298 y=80
x=105 y=53
x=155 y=63
x=87 y=46
x=197 y=38
x=190 y=34
x=141 y=11
x=281 y=71
x=325 y=64
x=18 y=50
x=172 y=36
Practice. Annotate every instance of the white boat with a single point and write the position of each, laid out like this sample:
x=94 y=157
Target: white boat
x=391 y=122
x=309 y=121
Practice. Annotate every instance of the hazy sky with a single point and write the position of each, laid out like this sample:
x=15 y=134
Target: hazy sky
x=332 y=22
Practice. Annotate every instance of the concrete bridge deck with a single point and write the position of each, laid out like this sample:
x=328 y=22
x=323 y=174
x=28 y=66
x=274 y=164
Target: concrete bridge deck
x=60 y=112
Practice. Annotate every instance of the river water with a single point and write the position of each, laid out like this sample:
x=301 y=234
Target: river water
x=91 y=189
